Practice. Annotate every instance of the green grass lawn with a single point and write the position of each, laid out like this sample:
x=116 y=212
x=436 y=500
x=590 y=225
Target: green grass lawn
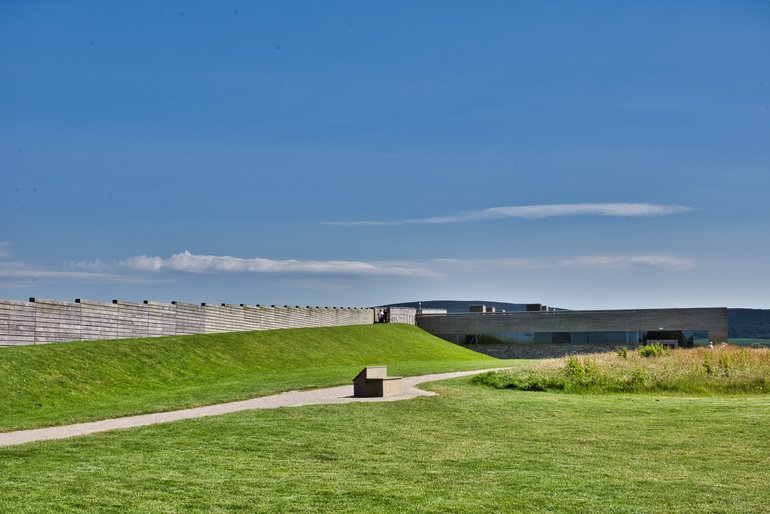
x=470 y=449
x=72 y=382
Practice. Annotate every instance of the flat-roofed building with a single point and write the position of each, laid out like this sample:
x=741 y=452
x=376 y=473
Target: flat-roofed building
x=545 y=333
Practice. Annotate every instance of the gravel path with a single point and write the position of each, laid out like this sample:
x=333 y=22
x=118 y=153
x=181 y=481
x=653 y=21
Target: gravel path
x=340 y=394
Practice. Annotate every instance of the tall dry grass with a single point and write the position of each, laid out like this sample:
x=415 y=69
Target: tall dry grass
x=702 y=371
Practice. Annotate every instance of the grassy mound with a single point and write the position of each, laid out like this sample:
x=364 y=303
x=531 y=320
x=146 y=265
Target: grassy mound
x=700 y=371
x=72 y=382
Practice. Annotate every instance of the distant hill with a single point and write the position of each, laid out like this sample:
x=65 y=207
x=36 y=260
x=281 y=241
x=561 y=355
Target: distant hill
x=743 y=323
x=753 y=323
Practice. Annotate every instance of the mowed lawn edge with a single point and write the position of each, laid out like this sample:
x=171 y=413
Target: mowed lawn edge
x=74 y=382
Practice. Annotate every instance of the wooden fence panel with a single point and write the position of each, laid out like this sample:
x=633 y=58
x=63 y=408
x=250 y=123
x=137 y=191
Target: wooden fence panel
x=48 y=321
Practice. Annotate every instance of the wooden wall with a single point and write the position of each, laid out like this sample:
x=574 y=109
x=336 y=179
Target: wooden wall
x=48 y=321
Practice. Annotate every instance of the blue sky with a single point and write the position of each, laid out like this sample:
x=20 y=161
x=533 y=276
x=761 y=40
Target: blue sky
x=578 y=154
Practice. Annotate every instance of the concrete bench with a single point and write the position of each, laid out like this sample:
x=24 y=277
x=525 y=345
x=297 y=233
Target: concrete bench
x=374 y=382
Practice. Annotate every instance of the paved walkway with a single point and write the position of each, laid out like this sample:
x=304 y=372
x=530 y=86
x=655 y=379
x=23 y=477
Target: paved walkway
x=340 y=394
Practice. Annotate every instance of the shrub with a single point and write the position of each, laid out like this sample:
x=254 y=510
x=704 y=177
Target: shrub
x=635 y=380
x=622 y=352
x=583 y=374
x=575 y=368
x=725 y=364
x=652 y=350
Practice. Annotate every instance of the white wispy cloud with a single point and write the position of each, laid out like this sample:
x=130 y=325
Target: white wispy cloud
x=18 y=271
x=14 y=273
x=38 y=274
x=537 y=212
x=665 y=262
x=493 y=264
x=192 y=263
x=634 y=261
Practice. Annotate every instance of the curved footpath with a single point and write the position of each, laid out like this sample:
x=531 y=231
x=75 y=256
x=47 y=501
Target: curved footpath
x=340 y=394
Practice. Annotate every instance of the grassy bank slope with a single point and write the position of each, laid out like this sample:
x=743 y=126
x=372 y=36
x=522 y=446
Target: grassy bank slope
x=470 y=449
x=72 y=382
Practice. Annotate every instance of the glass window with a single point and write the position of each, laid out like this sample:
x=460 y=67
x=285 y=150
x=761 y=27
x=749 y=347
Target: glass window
x=579 y=337
x=597 y=337
x=526 y=337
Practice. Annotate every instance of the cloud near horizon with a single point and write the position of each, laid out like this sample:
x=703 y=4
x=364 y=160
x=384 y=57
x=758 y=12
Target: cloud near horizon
x=187 y=262
x=191 y=263
x=632 y=261
x=15 y=273
x=625 y=210
x=36 y=274
x=18 y=271
x=665 y=262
